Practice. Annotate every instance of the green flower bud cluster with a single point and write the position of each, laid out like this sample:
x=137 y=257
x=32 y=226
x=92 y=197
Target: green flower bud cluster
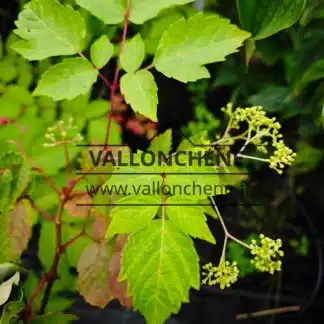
x=266 y=254
x=224 y=275
x=282 y=156
x=62 y=133
x=262 y=126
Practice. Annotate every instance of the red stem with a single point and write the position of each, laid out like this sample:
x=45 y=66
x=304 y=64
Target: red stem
x=114 y=86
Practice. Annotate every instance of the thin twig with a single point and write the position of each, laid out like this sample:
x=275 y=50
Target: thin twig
x=226 y=232
x=101 y=76
x=52 y=273
x=149 y=67
x=268 y=312
x=82 y=233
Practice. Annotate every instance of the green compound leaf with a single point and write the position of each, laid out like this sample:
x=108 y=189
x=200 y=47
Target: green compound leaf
x=154 y=29
x=49 y=28
x=187 y=45
x=143 y=10
x=137 y=214
x=264 y=18
x=140 y=92
x=133 y=54
x=134 y=174
x=101 y=51
x=189 y=219
x=112 y=12
x=67 y=80
x=160 y=264
x=162 y=143
x=55 y=318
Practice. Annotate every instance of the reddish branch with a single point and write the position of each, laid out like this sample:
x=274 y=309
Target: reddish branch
x=268 y=312
x=51 y=275
x=114 y=86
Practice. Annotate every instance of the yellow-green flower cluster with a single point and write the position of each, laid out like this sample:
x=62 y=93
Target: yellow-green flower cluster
x=224 y=275
x=62 y=133
x=282 y=156
x=259 y=127
x=266 y=254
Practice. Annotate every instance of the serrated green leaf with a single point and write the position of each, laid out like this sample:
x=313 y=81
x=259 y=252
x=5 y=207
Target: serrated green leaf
x=143 y=10
x=140 y=92
x=133 y=54
x=67 y=80
x=112 y=12
x=160 y=265
x=264 y=18
x=162 y=143
x=192 y=178
x=49 y=28
x=154 y=29
x=189 y=219
x=6 y=287
x=137 y=213
x=134 y=174
x=187 y=45
x=55 y=318
x=101 y=51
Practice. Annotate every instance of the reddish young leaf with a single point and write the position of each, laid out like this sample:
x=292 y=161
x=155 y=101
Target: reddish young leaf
x=118 y=289
x=72 y=205
x=20 y=227
x=93 y=274
x=99 y=226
